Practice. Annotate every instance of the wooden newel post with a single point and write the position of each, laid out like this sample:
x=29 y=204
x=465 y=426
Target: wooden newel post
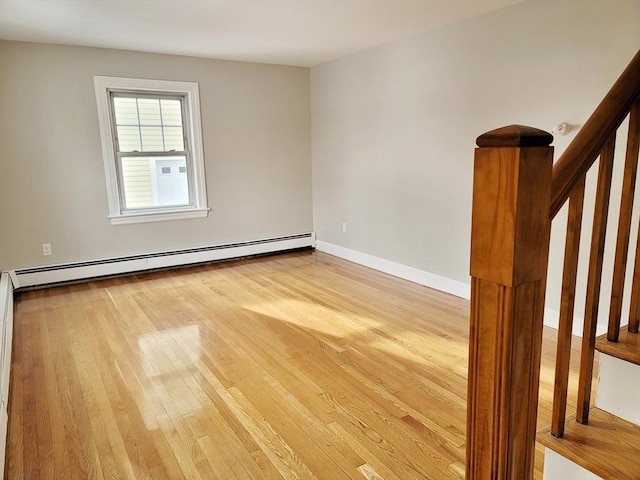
x=509 y=254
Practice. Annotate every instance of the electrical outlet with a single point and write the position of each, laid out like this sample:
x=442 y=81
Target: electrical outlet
x=344 y=227
x=46 y=249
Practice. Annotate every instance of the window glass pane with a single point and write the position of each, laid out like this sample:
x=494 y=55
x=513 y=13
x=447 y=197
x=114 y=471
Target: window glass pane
x=129 y=139
x=172 y=123
x=154 y=181
x=137 y=182
x=173 y=139
x=171 y=112
x=126 y=110
x=149 y=111
x=152 y=139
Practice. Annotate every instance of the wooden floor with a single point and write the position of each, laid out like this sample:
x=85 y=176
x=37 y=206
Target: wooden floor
x=292 y=366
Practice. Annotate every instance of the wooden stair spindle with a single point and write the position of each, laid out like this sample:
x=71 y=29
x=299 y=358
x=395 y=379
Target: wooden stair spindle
x=634 y=307
x=509 y=255
x=567 y=305
x=624 y=224
x=594 y=279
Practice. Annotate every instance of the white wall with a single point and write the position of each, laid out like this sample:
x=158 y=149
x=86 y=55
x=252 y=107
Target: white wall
x=393 y=129
x=256 y=131
x=393 y=133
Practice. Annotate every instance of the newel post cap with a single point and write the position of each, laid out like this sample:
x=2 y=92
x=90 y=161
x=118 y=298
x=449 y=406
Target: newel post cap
x=515 y=136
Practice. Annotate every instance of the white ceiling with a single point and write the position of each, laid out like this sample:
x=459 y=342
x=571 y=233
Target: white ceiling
x=289 y=32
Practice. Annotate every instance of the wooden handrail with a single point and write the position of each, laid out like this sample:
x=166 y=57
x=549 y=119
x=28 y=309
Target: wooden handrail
x=588 y=143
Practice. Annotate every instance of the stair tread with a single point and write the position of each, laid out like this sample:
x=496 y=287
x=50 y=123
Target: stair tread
x=626 y=348
x=608 y=446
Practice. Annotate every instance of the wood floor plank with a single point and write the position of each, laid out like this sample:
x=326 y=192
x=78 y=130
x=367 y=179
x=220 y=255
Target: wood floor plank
x=372 y=459
x=294 y=366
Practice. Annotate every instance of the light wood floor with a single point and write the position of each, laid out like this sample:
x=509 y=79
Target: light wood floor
x=292 y=366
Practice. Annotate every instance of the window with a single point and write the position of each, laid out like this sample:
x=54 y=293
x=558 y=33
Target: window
x=152 y=149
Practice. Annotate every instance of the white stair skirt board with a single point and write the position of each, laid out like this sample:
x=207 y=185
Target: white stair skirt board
x=421 y=277
x=27 y=277
x=557 y=467
x=619 y=388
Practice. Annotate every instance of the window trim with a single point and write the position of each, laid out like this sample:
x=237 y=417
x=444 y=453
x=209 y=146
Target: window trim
x=190 y=91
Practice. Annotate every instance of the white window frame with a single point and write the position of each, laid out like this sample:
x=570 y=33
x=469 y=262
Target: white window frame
x=118 y=216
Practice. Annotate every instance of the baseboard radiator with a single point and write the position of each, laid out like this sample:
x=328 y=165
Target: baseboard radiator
x=68 y=272
x=6 y=337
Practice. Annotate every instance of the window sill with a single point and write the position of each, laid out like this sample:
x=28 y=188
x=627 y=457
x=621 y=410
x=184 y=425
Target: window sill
x=130 y=218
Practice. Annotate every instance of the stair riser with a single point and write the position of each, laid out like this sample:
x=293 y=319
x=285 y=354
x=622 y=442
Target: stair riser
x=619 y=388
x=557 y=467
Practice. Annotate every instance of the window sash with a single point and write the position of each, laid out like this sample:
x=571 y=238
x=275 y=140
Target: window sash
x=121 y=181
x=142 y=153
x=117 y=93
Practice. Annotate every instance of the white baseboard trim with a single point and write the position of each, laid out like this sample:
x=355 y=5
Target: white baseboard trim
x=421 y=277
x=447 y=285
x=51 y=274
x=6 y=337
x=552 y=319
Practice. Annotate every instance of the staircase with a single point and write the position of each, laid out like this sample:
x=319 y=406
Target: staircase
x=518 y=190
x=608 y=446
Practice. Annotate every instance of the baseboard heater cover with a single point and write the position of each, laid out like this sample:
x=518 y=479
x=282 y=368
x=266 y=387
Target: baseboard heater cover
x=51 y=274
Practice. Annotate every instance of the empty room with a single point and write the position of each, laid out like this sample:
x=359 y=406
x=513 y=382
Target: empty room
x=319 y=239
